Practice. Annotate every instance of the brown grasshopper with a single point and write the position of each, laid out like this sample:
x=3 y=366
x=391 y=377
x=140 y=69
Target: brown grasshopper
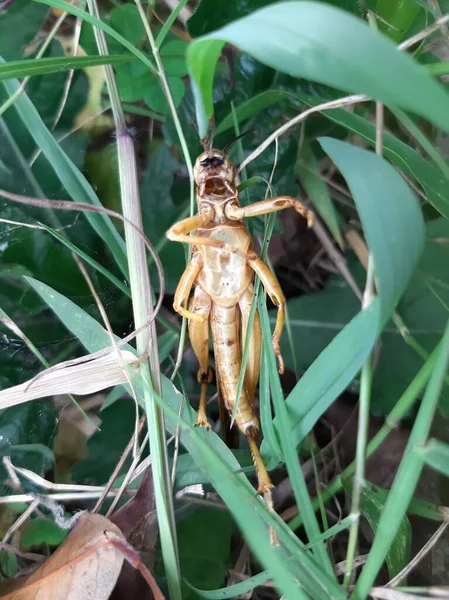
x=222 y=270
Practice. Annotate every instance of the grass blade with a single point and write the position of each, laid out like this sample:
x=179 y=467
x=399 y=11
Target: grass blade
x=16 y=69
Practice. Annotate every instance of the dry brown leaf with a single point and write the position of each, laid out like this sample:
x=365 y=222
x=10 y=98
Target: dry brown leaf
x=86 y=565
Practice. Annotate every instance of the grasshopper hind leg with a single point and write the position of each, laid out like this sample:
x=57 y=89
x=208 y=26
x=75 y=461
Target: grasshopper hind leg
x=199 y=338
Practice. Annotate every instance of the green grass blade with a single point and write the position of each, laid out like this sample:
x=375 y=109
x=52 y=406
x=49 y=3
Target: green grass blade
x=426 y=144
x=372 y=506
x=16 y=69
x=436 y=455
x=169 y=22
x=88 y=259
x=289 y=448
x=407 y=477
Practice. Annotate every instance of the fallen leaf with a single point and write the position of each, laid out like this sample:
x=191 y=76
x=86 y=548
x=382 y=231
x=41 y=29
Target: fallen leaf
x=137 y=520
x=86 y=565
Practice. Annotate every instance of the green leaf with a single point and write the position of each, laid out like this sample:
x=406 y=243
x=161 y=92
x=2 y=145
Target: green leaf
x=316 y=188
x=41 y=531
x=372 y=506
x=126 y=20
x=281 y=35
x=31 y=424
x=400 y=16
x=30 y=67
x=117 y=427
x=204 y=540
x=8 y=563
x=173 y=57
x=253 y=107
x=436 y=455
x=155 y=98
x=394 y=230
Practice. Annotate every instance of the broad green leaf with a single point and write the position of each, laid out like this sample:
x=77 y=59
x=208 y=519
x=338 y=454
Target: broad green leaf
x=316 y=188
x=253 y=106
x=204 y=540
x=372 y=505
x=173 y=55
x=8 y=563
x=154 y=95
x=239 y=589
x=37 y=532
x=399 y=16
x=281 y=35
x=436 y=455
x=28 y=68
x=126 y=20
x=394 y=230
x=117 y=427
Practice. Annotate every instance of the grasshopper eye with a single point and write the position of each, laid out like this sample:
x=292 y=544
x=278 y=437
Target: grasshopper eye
x=212 y=161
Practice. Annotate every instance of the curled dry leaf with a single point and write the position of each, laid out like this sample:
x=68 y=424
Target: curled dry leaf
x=86 y=565
x=82 y=378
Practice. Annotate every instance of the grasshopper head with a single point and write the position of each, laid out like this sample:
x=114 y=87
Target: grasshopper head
x=212 y=169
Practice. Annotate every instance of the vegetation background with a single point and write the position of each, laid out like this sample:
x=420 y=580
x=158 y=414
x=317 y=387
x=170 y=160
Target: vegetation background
x=367 y=342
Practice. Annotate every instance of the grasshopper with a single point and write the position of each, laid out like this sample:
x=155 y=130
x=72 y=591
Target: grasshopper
x=222 y=270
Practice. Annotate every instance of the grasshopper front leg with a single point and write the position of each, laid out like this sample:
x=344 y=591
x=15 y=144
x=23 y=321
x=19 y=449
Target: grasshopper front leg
x=264 y=207
x=271 y=285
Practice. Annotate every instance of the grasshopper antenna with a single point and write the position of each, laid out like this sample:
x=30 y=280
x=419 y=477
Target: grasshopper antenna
x=239 y=137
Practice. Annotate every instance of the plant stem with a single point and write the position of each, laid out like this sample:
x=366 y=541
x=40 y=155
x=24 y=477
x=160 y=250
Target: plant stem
x=146 y=340
x=184 y=148
x=362 y=439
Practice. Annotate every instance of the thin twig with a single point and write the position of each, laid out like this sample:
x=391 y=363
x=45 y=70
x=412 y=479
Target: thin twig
x=418 y=558
x=118 y=466
x=339 y=103
x=21 y=520
x=424 y=33
x=129 y=475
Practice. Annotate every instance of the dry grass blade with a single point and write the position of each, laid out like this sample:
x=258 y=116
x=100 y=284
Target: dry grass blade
x=85 y=378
